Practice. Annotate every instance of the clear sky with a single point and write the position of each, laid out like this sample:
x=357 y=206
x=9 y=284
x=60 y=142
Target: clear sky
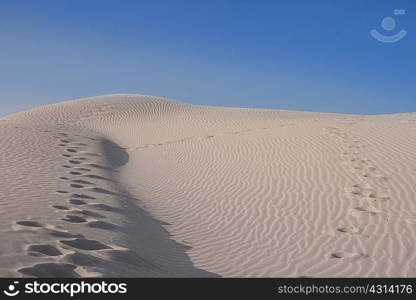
x=300 y=55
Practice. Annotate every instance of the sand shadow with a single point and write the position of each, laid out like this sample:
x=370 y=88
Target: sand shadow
x=143 y=237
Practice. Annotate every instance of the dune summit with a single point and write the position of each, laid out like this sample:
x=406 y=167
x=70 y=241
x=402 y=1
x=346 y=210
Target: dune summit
x=132 y=185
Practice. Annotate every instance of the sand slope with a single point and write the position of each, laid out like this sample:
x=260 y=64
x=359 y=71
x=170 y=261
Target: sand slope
x=131 y=185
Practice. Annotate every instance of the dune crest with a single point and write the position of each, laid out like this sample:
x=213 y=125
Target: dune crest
x=133 y=185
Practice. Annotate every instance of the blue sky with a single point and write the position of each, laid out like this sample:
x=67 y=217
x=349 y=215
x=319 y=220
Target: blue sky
x=300 y=55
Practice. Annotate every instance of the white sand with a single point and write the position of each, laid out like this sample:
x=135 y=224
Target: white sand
x=130 y=185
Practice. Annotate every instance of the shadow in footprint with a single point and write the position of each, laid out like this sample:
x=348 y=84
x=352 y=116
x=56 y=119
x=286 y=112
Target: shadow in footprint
x=88 y=213
x=82 y=196
x=83 y=259
x=81 y=158
x=103 y=225
x=74 y=219
x=82 y=169
x=62 y=192
x=75 y=173
x=60 y=207
x=350 y=255
x=62 y=234
x=76 y=186
x=101 y=167
x=81 y=181
x=105 y=207
x=107 y=192
x=29 y=223
x=100 y=178
x=350 y=230
x=48 y=250
x=50 y=270
x=77 y=202
x=92 y=154
x=85 y=244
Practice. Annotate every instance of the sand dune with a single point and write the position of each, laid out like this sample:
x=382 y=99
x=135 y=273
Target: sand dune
x=132 y=185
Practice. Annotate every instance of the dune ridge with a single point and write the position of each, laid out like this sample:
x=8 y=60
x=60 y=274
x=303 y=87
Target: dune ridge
x=135 y=185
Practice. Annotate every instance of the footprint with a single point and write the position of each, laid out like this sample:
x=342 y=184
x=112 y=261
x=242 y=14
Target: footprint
x=102 y=225
x=62 y=192
x=29 y=223
x=85 y=244
x=92 y=154
x=50 y=270
x=62 y=234
x=351 y=255
x=104 y=191
x=82 y=169
x=82 y=196
x=99 y=177
x=48 y=250
x=74 y=219
x=82 y=259
x=81 y=158
x=60 y=207
x=101 y=167
x=77 y=202
x=72 y=150
x=81 y=181
x=105 y=207
x=381 y=178
x=75 y=173
x=74 y=162
x=350 y=230
x=356 y=192
x=91 y=214
x=368 y=209
x=77 y=186
x=385 y=198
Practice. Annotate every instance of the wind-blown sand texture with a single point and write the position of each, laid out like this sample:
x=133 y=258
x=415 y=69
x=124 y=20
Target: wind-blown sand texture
x=132 y=185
